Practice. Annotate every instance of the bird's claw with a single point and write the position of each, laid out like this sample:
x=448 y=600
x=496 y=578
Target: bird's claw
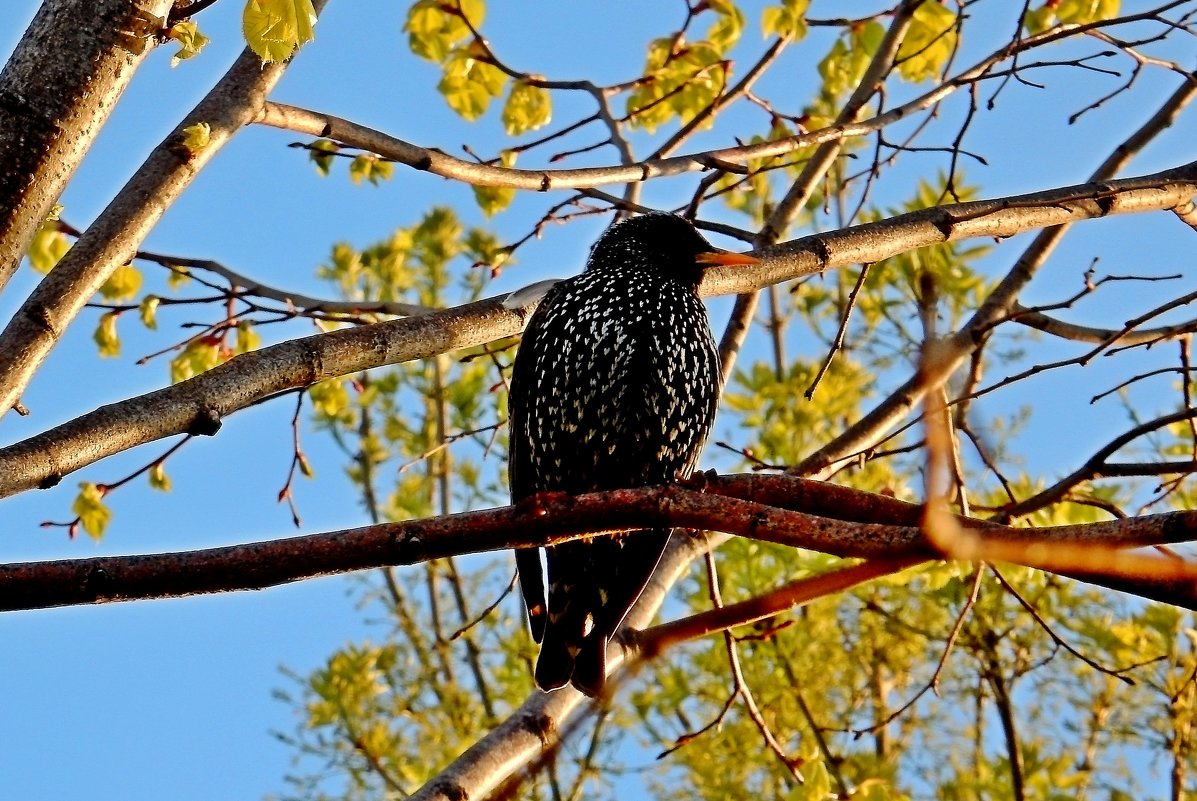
x=699 y=481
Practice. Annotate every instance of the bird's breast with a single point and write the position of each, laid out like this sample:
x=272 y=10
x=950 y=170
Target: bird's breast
x=625 y=384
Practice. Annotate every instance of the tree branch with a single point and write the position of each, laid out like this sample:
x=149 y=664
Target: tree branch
x=845 y=522
x=1105 y=336
x=199 y=404
x=115 y=235
x=1096 y=466
x=537 y=728
x=56 y=92
x=315 y=123
x=955 y=349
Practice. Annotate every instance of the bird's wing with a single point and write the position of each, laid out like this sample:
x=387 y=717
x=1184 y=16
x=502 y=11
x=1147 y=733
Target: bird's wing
x=521 y=477
x=527 y=560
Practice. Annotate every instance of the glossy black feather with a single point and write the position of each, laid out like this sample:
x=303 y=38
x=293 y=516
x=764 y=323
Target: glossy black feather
x=615 y=385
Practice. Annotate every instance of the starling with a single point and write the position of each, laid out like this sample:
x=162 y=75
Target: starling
x=615 y=386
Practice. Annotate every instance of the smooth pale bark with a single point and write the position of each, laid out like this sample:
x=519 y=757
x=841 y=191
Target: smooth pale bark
x=56 y=91
x=234 y=102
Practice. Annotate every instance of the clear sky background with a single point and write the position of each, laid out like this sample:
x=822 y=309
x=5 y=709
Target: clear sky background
x=174 y=698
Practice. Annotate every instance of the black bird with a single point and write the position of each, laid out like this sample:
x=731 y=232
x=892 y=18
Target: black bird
x=615 y=385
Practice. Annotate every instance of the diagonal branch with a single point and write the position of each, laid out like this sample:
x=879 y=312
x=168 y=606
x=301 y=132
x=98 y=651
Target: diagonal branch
x=813 y=172
x=1097 y=466
x=56 y=92
x=957 y=348
x=1106 y=336
x=115 y=235
x=536 y=729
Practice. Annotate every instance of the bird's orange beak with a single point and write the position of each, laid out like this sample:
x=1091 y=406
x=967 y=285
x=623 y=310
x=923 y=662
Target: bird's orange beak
x=724 y=257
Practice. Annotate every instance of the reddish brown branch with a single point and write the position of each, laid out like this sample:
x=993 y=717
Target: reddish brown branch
x=778 y=509
x=779 y=600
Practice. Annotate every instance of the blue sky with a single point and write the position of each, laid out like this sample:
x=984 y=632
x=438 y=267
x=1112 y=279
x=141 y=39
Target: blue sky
x=133 y=701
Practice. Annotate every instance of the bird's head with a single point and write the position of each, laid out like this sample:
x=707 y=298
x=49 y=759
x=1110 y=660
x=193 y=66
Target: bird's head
x=661 y=243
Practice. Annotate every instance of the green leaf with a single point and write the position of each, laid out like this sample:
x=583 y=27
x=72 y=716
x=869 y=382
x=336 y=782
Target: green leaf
x=844 y=66
x=685 y=80
x=158 y=478
x=876 y=790
x=148 y=311
x=1039 y=19
x=190 y=40
x=274 y=29
x=49 y=245
x=726 y=30
x=818 y=780
x=493 y=199
x=197 y=137
x=485 y=248
x=199 y=356
x=321 y=153
x=330 y=399
x=89 y=507
x=528 y=107
x=178 y=277
x=431 y=33
x=123 y=284
x=787 y=20
x=247 y=338
x=106 y=337
x=435 y=27
x=1081 y=12
x=372 y=168
x=468 y=84
x=928 y=44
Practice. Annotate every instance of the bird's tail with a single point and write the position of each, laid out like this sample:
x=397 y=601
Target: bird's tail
x=562 y=662
x=572 y=596
x=590 y=665
x=592 y=585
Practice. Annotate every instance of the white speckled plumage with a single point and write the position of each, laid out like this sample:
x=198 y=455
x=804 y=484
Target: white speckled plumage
x=615 y=385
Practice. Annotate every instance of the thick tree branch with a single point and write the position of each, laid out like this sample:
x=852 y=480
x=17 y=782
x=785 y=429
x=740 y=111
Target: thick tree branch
x=114 y=237
x=199 y=404
x=769 y=508
x=314 y=123
x=56 y=92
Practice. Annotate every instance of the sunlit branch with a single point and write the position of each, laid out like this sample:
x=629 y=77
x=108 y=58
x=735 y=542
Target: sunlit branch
x=874 y=425
x=200 y=404
x=111 y=240
x=314 y=123
x=552 y=518
x=1098 y=465
x=825 y=155
x=1107 y=336
x=534 y=732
